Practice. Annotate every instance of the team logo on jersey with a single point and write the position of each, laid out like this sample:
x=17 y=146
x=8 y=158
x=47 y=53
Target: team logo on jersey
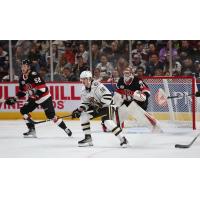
x=96 y=83
x=121 y=86
x=22 y=82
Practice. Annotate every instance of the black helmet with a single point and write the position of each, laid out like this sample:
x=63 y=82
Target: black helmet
x=26 y=62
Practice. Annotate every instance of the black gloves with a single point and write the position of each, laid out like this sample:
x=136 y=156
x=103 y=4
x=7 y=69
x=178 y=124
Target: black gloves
x=76 y=113
x=197 y=94
x=11 y=100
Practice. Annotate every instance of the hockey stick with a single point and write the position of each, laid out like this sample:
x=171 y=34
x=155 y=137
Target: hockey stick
x=181 y=95
x=39 y=122
x=185 y=146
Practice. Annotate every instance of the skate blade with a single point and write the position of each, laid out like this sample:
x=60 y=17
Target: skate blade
x=86 y=144
x=124 y=145
x=30 y=136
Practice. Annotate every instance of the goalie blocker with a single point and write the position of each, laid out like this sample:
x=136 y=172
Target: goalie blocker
x=131 y=96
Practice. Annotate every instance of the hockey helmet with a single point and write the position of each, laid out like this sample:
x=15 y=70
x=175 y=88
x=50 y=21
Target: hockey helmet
x=85 y=74
x=26 y=62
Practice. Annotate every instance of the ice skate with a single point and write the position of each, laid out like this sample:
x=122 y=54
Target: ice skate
x=124 y=142
x=31 y=133
x=68 y=131
x=87 y=141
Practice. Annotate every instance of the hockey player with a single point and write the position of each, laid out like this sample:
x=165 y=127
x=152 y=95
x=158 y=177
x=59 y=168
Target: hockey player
x=96 y=101
x=31 y=84
x=131 y=96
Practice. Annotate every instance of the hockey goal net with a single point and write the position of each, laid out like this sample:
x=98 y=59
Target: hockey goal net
x=183 y=111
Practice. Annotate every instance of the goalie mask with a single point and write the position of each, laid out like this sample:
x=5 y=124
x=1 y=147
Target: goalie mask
x=128 y=74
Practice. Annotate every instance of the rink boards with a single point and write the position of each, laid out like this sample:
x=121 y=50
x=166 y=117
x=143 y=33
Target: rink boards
x=66 y=98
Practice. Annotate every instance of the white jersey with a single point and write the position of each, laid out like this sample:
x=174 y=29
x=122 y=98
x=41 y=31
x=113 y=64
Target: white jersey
x=98 y=93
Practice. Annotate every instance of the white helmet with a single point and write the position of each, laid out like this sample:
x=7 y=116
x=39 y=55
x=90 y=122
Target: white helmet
x=86 y=74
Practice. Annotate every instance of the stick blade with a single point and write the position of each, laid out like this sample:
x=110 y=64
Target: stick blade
x=182 y=146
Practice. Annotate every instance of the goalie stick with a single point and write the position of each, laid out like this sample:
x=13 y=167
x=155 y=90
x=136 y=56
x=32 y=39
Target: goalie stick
x=185 y=146
x=197 y=94
x=39 y=122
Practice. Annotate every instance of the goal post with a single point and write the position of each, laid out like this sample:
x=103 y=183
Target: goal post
x=181 y=111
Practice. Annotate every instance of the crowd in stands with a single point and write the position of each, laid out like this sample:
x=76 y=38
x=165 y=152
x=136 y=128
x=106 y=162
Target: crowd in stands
x=109 y=58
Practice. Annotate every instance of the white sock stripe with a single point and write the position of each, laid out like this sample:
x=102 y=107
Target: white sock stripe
x=86 y=126
x=117 y=130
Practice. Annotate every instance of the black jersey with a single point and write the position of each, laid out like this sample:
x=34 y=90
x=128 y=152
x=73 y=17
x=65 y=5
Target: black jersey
x=128 y=88
x=34 y=86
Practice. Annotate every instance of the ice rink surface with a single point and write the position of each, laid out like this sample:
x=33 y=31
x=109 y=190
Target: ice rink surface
x=52 y=142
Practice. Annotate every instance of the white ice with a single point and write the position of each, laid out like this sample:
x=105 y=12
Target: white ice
x=53 y=142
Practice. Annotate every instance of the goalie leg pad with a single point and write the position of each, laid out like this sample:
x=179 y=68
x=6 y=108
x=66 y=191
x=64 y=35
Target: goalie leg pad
x=142 y=116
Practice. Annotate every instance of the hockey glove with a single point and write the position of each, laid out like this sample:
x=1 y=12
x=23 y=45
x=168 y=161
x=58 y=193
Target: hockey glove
x=11 y=100
x=197 y=94
x=139 y=96
x=76 y=113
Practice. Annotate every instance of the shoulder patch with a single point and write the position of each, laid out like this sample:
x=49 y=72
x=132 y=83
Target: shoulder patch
x=96 y=83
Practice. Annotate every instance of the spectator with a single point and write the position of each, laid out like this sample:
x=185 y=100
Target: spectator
x=43 y=71
x=158 y=72
x=197 y=68
x=122 y=63
x=3 y=60
x=23 y=46
x=97 y=74
x=105 y=67
x=196 y=52
x=152 y=49
x=140 y=50
x=34 y=57
x=140 y=72
x=83 y=53
x=95 y=55
x=187 y=69
x=80 y=66
x=114 y=54
x=69 y=55
x=153 y=64
x=177 y=69
x=61 y=64
x=164 y=54
x=115 y=77
x=67 y=75
x=185 y=48
x=138 y=62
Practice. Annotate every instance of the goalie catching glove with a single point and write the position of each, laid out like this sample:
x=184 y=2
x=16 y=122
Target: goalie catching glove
x=11 y=100
x=139 y=96
x=197 y=94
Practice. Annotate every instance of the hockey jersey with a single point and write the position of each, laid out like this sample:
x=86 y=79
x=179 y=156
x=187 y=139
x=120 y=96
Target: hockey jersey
x=97 y=93
x=34 y=86
x=128 y=88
